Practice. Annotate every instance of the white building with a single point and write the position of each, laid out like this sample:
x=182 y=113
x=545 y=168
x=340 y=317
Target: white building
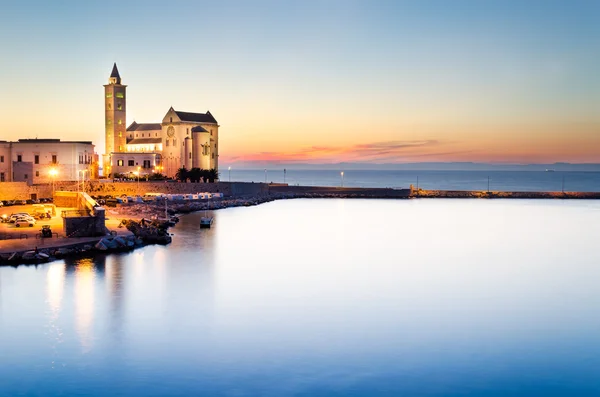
x=42 y=160
x=182 y=139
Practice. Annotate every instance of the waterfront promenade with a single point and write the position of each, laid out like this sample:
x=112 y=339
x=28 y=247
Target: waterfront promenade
x=14 y=239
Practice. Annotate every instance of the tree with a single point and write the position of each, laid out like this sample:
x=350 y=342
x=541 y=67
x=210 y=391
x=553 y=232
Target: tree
x=181 y=174
x=156 y=177
x=195 y=174
x=212 y=175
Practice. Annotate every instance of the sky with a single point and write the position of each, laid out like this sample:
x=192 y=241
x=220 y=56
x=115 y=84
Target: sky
x=317 y=81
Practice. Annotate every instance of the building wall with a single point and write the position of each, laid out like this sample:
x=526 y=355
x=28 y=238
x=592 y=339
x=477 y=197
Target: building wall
x=22 y=172
x=5 y=162
x=138 y=161
x=144 y=134
x=174 y=153
x=72 y=158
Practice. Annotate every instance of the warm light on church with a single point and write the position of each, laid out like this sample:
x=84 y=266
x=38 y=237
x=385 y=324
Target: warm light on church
x=182 y=139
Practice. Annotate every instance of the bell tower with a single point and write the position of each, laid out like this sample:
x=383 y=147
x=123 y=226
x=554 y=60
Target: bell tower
x=114 y=118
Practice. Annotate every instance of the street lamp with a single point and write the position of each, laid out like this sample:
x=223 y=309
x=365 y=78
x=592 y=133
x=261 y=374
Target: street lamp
x=83 y=179
x=229 y=174
x=265 y=175
x=137 y=173
x=53 y=172
x=342 y=175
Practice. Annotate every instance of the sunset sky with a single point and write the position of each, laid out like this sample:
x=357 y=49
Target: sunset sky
x=317 y=81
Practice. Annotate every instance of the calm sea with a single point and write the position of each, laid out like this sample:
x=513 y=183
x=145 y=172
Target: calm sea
x=321 y=298
x=523 y=181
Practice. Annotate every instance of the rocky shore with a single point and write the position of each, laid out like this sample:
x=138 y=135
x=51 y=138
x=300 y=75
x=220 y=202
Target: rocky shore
x=106 y=244
x=143 y=233
x=138 y=211
x=503 y=195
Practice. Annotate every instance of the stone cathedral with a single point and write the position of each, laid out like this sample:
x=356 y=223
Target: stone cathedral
x=182 y=139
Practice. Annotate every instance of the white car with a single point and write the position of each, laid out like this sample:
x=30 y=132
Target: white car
x=13 y=217
x=25 y=222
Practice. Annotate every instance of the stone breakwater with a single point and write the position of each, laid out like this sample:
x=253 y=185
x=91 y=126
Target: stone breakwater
x=157 y=210
x=144 y=233
x=150 y=232
x=106 y=244
x=503 y=195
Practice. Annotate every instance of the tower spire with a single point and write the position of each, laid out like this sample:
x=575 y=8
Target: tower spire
x=115 y=78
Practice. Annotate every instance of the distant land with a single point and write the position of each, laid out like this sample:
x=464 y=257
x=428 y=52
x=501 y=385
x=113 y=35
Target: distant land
x=430 y=166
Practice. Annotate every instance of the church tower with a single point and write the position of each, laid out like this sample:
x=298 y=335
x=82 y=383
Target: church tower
x=114 y=119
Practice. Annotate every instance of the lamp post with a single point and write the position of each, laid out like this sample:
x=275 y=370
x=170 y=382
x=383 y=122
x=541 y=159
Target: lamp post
x=137 y=173
x=83 y=180
x=488 y=184
x=229 y=174
x=342 y=175
x=284 y=175
x=53 y=172
x=265 y=175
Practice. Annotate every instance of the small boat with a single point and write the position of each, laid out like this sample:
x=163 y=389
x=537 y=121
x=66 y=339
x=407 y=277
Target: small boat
x=206 y=222
x=549 y=170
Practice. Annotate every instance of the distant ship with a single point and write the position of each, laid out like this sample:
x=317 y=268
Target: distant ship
x=549 y=170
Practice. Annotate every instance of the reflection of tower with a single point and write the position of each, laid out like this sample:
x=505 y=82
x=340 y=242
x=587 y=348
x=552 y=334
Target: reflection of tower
x=55 y=285
x=55 y=288
x=114 y=281
x=115 y=117
x=84 y=301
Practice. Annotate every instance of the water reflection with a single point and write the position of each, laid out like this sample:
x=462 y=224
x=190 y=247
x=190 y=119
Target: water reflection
x=334 y=297
x=114 y=277
x=85 y=274
x=55 y=285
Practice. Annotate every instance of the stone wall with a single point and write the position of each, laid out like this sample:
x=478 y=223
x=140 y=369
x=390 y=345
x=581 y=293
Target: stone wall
x=22 y=191
x=366 y=192
x=95 y=188
x=66 y=199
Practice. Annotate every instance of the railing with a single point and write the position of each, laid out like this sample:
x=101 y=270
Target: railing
x=10 y=236
x=40 y=237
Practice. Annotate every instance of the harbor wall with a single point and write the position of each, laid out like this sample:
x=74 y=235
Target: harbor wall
x=343 y=191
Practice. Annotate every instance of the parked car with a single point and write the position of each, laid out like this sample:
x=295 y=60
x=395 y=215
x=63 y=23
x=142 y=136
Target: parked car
x=25 y=222
x=13 y=217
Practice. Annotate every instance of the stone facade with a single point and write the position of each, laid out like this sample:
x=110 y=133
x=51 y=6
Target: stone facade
x=114 y=117
x=43 y=160
x=182 y=139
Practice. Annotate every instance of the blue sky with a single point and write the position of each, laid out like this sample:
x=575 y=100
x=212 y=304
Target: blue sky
x=503 y=81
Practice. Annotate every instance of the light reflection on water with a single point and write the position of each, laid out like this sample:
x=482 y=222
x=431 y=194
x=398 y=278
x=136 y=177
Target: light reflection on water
x=321 y=297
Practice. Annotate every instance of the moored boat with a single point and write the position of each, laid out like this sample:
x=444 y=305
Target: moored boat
x=206 y=222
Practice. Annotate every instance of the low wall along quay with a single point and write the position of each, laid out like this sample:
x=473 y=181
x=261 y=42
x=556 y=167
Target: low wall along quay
x=21 y=191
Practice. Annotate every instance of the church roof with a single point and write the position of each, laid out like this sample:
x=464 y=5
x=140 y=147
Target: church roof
x=198 y=128
x=51 y=140
x=115 y=72
x=144 y=141
x=144 y=127
x=196 y=117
